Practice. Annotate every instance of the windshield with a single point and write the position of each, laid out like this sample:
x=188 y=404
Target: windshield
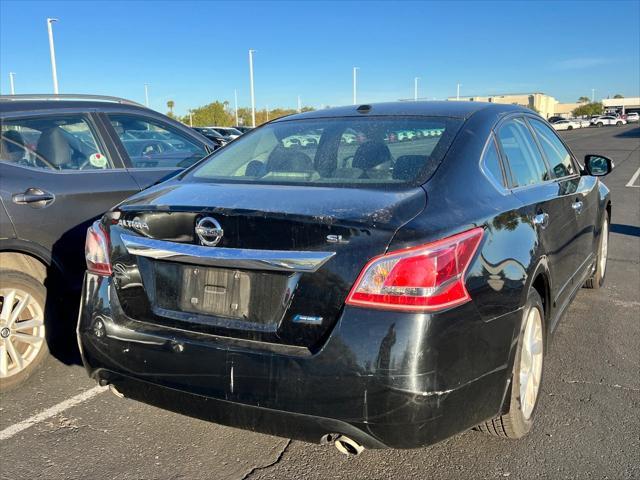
x=337 y=151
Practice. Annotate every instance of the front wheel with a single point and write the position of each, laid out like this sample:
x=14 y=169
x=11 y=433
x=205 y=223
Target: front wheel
x=569 y=127
x=526 y=377
x=599 y=124
x=23 y=346
x=618 y=124
x=597 y=279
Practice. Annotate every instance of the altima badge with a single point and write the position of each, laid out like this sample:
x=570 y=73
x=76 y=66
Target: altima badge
x=209 y=231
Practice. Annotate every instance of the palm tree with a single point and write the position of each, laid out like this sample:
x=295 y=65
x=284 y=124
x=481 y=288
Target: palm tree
x=583 y=99
x=170 y=105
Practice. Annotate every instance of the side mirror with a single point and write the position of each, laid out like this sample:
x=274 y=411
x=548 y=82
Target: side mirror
x=598 y=165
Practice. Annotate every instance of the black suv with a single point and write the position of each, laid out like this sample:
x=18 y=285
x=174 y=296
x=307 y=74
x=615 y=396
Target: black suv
x=64 y=161
x=373 y=293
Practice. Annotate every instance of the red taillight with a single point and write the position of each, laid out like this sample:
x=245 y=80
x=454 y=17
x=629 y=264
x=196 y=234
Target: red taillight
x=96 y=250
x=425 y=278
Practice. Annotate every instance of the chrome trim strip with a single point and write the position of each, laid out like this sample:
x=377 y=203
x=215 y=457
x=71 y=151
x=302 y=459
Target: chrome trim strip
x=273 y=260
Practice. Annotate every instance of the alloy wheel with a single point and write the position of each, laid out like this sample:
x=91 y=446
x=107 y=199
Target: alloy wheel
x=531 y=362
x=22 y=330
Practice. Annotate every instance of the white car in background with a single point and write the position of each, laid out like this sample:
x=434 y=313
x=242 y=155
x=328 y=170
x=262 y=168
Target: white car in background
x=607 y=120
x=566 y=124
x=633 y=117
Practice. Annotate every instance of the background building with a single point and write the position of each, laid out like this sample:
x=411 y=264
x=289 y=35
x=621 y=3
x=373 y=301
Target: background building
x=546 y=105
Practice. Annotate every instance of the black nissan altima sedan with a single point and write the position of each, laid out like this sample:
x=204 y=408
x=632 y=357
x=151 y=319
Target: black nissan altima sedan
x=369 y=293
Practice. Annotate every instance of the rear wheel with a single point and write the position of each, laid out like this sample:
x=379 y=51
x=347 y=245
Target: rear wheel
x=597 y=280
x=23 y=345
x=569 y=127
x=526 y=377
x=599 y=124
x=618 y=124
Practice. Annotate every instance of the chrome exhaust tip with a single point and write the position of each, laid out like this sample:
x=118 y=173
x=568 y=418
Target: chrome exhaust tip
x=115 y=391
x=348 y=446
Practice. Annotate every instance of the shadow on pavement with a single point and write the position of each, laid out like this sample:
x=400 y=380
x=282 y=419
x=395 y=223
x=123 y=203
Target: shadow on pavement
x=625 y=229
x=634 y=133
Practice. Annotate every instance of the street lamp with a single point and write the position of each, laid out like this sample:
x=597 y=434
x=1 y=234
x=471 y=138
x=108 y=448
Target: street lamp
x=593 y=95
x=458 y=91
x=355 y=85
x=13 y=90
x=299 y=105
x=415 y=88
x=52 y=52
x=146 y=95
x=253 y=96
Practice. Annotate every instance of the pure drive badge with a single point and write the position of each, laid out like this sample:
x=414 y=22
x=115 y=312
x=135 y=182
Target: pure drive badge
x=209 y=231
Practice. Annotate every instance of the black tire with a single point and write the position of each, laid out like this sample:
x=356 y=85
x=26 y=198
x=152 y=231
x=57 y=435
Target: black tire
x=513 y=423
x=618 y=124
x=597 y=279
x=599 y=124
x=569 y=127
x=10 y=279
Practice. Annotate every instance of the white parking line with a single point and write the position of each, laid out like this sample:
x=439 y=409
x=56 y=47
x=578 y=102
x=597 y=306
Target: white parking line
x=50 y=412
x=633 y=179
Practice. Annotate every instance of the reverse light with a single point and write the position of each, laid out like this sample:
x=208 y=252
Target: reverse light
x=96 y=250
x=426 y=278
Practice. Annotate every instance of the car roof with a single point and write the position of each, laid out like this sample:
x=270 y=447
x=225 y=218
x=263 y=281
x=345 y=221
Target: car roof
x=455 y=109
x=10 y=106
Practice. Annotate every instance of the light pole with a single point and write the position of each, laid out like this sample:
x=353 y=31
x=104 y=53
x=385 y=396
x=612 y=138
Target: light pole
x=415 y=88
x=190 y=118
x=146 y=95
x=235 y=97
x=52 y=52
x=355 y=85
x=458 y=91
x=13 y=90
x=299 y=105
x=267 y=112
x=253 y=96
x=593 y=95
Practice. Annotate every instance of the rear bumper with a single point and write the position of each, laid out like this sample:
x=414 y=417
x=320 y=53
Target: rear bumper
x=384 y=379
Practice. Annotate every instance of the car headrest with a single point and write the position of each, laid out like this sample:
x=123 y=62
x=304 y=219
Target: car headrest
x=255 y=168
x=371 y=154
x=54 y=147
x=283 y=159
x=408 y=166
x=12 y=145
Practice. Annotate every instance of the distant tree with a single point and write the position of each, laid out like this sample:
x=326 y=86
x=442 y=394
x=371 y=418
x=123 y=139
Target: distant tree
x=170 y=105
x=583 y=99
x=617 y=95
x=589 y=109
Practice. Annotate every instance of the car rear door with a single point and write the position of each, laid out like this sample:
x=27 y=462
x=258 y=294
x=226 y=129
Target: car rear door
x=584 y=199
x=58 y=176
x=171 y=147
x=547 y=202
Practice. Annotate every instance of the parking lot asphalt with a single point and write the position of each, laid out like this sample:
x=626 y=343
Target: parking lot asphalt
x=587 y=425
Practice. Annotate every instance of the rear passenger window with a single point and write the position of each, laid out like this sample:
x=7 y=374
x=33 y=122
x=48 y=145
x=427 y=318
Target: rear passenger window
x=153 y=144
x=53 y=143
x=522 y=153
x=491 y=164
x=554 y=149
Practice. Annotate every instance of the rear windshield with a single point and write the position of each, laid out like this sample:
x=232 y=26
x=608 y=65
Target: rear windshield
x=348 y=151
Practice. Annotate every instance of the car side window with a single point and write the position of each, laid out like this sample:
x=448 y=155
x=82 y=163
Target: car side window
x=524 y=157
x=557 y=155
x=491 y=163
x=153 y=144
x=64 y=143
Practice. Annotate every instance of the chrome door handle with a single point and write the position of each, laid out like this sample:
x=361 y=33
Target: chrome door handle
x=33 y=197
x=541 y=219
x=577 y=207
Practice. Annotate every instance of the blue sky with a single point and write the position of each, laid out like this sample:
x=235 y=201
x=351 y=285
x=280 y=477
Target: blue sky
x=196 y=52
